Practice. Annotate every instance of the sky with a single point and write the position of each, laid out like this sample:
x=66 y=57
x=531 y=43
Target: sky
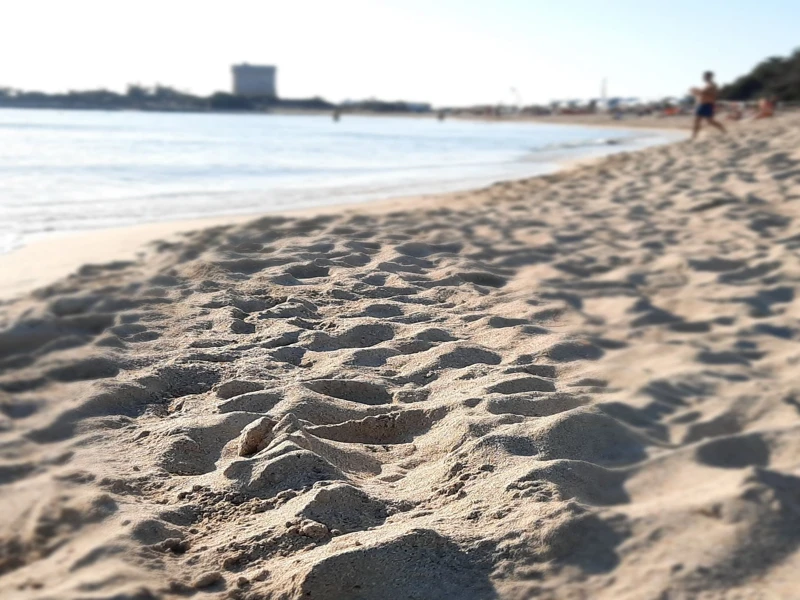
x=448 y=52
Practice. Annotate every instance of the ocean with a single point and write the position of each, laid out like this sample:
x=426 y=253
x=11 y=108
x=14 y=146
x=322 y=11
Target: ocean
x=64 y=171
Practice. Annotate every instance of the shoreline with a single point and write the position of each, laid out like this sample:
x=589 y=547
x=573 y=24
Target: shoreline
x=589 y=120
x=596 y=121
x=59 y=254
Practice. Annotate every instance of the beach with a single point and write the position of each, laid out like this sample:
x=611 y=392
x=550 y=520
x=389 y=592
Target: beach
x=652 y=122
x=578 y=385
x=73 y=172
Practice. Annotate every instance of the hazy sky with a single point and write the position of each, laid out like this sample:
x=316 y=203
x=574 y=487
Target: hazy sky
x=442 y=51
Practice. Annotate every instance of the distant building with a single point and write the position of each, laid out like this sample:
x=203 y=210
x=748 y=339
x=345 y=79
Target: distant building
x=254 y=80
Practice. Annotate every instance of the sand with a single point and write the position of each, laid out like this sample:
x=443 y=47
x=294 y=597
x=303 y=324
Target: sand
x=54 y=257
x=583 y=385
x=603 y=120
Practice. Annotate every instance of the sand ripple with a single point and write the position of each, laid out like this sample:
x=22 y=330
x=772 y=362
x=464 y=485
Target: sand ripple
x=583 y=385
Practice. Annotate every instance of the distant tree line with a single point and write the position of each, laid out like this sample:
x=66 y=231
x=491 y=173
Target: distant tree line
x=155 y=98
x=168 y=99
x=373 y=105
x=158 y=97
x=775 y=76
x=226 y=101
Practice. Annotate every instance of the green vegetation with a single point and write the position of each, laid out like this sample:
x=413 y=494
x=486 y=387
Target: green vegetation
x=776 y=76
x=373 y=105
x=158 y=98
x=137 y=97
x=224 y=101
x=162 y=98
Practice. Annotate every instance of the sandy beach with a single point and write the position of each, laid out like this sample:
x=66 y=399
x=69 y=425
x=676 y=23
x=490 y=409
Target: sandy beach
x=582 y=385
x=57 y=254
x=605 y=121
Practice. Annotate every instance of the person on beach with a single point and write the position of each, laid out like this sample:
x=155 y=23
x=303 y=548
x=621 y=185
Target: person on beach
x=706 y=99
x=735 y=112
x=766 y=108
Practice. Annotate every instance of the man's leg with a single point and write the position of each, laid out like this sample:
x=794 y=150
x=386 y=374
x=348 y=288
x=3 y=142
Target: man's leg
x=696 y=129
x=718 y=125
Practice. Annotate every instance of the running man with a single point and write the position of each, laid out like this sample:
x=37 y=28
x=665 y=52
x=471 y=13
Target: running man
x=706 y=99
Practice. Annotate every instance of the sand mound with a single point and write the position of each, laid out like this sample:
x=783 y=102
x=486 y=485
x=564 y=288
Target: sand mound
x=583 y=385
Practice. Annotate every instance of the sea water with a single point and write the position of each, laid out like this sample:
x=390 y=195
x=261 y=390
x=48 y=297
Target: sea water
x=64 y=171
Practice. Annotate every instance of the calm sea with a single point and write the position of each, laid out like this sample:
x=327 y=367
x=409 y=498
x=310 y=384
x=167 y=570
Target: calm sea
x=78 y=170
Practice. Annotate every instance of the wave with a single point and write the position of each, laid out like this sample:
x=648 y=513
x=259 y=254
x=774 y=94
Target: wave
x=10 y=241
x=593 y=143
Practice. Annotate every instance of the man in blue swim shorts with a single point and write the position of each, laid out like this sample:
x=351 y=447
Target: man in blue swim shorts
x=706 y=99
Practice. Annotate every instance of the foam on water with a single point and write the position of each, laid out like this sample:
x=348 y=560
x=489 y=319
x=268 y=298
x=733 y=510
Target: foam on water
x=9 y=241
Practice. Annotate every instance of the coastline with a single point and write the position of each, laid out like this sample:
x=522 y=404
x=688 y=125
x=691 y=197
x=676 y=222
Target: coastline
x=597 y=120
x=56 y=256
x=671 y=124
x=60 y=255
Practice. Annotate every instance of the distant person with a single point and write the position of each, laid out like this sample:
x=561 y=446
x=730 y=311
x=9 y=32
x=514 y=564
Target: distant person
x=706 y=97
x=766 y=108
x=337 y=115
x=735 y=112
